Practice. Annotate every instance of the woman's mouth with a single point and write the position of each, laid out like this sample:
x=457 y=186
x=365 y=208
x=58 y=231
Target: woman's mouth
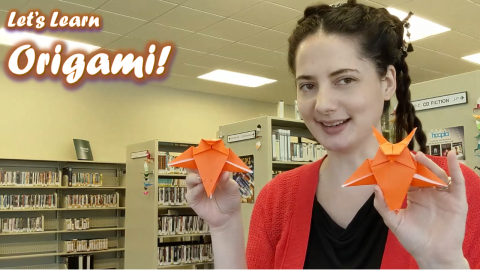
x=335 y=126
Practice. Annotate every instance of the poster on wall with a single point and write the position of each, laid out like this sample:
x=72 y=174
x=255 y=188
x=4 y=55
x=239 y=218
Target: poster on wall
x=441 y=141
x=245 y=181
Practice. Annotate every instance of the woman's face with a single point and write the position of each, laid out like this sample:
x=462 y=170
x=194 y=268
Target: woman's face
x=339 y=94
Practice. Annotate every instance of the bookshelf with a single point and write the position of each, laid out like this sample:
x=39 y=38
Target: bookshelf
x=265 y=165
x=34 y=196
x=148 y=238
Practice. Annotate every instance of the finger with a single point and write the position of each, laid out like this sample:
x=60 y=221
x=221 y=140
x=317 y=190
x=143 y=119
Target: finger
x=193 y=179
x=195 y=195
x=225 y=183
x=390 y=218
x=458 y=181
x=432 y=166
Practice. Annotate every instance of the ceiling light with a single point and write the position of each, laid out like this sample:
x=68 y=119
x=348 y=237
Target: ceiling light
x=42 y=42
x=474 y=58
x=235 y=78
x=419 y=27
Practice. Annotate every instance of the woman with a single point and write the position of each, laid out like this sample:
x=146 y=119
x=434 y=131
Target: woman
x=348 y=61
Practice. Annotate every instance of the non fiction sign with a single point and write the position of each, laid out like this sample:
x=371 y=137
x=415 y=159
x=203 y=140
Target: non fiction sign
x=440 y=101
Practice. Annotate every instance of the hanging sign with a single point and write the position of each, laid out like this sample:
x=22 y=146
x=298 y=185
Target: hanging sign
x=139 y=154
x=440 y=101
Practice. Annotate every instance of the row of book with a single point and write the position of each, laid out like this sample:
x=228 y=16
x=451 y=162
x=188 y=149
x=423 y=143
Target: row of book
x=30 y=178
x=184 y=254
x=165 y=158
x=80 y=261
x=21 y=225
x=92 y=201
x=181 y=225
x=86 y=245
x=28 y=201
x=77 y=224
x=81 y=179
x=176 y=182
x=172 y=196
x=283 y=149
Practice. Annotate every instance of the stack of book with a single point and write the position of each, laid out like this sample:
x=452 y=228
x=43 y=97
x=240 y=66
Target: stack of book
x=172 y=192
x=92 y=201
x=79 y=262
x=166 y=157
x=86 y=245
x=169 y=254
x=81 y=179
x=44 y=179
x=290 y=148
x=181 y=225
x=21 y=225
x=28 y=201
x=77 y=224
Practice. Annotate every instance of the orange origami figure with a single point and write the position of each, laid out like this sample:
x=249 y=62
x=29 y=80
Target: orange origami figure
x=210 y=157
x=394 y=170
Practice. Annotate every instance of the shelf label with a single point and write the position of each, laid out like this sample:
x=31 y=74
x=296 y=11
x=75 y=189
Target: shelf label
x=440 y=101
x=139 y=154
x=242 y=136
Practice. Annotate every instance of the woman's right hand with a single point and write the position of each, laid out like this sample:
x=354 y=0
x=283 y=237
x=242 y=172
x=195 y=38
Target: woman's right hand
x=216 y=211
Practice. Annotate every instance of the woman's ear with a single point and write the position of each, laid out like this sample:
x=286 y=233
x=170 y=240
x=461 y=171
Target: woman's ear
x=389 y=83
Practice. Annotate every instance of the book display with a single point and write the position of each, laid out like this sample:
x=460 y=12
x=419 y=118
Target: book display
x=163 y=231
x=57 y=214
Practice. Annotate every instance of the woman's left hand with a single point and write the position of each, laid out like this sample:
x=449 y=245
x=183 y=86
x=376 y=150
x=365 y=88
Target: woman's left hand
x=432 y=227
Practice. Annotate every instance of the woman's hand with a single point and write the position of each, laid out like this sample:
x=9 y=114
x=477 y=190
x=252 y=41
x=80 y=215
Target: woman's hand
x=224 y=204
x=432 y=227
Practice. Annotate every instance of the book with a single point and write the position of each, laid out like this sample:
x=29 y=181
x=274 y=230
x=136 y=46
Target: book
x=83 y=149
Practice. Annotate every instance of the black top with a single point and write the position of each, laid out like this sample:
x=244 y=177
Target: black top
x=360 y=245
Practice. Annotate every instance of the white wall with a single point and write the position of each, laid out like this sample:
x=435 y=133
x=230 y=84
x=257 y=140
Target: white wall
x=41 y=118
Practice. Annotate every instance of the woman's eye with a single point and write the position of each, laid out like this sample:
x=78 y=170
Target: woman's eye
x=307 y=87
x=346 y=81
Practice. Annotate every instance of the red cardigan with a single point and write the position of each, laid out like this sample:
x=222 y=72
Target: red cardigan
x=280 y=222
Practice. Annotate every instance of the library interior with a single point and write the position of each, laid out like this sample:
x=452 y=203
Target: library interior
x=201 y=134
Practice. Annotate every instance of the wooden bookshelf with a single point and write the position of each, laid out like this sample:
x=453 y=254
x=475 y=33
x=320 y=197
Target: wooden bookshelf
x=143 y=241
x=43 y=249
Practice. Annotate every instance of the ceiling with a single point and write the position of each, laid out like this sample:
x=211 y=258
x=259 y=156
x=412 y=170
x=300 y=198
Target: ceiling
x=250 y=36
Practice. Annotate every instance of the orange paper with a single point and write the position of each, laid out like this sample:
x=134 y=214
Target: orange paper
x=394 y=170
x=210 y=157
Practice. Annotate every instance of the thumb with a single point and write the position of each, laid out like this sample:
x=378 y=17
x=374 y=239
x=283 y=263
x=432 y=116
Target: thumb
x=391 y=218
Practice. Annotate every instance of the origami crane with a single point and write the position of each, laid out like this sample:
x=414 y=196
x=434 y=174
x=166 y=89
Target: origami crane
x=394 y=170
x=210 y=157
x=478 y=146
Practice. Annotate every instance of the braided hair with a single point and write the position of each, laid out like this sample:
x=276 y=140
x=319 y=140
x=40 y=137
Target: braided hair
x=380 y=38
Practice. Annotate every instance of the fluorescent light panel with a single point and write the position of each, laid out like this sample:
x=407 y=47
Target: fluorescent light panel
x=236 y=78
x=474 y=58
x=11 y=38
x=419 y=27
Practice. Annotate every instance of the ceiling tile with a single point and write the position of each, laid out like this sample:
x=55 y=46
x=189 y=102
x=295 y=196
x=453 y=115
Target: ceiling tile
x=287 y=27
x=271 y=58
x=283 y=50
x=3 y=18
x=390 y=3
x=437 y=62
x=128 y=43
x=460 y=18
x=279 y=75
x=420 y=75
x=300 y=4
x=183 y=55
x=221 y=7
x=197 y=20
x=94 y=38
x=171 y=80
x=160 y=33
x=3 y=52
x=189 y=70
x=177 y=1
x=47 y=6
x=217 y=88
x=247 y=68
x=240 y=51
x=7 y=5
x=268 y=39
x=213 y=61
x=88 y=3
x=451 y=43
x=471 y=30
x=142 y=9
x=119 y=24
x=370 y=3
x=267 y=14
x=232 y=30
x=423 y=8
x=203 y=43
